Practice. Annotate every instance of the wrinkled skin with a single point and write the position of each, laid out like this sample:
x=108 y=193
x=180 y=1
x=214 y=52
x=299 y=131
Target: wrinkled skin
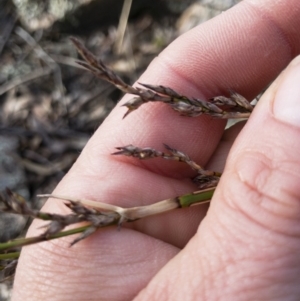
x=247 y=247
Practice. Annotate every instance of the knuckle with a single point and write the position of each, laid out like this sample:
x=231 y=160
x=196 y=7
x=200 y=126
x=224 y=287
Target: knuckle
x=266 y=190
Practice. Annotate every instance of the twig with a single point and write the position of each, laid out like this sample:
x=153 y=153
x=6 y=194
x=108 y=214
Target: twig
x=49 y=169
x=24 y=79
x=9 y=25
x=122 y=25
x=44 y=56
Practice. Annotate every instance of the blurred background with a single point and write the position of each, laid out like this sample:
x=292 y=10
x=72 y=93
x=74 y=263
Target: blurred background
x=49 y=106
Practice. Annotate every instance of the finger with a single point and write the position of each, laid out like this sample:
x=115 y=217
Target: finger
x=250 y=238
x=237 y=62
x=85 y=272
x=219 y=157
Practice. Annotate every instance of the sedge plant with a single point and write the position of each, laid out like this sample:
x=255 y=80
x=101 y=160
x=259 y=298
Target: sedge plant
x=96 y=214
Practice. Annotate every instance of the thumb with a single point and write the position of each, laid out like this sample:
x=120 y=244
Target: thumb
x=247 y=247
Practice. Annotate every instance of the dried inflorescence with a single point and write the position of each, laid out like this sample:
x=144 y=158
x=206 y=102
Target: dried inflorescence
x=14 y=203
x=234 y=106
x=204 y=179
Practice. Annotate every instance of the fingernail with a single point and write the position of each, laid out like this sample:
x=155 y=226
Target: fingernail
x=286 y=105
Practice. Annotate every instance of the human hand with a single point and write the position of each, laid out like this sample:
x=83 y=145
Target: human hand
x=247 y=246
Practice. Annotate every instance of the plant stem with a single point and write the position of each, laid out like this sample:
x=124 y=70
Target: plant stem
x=134 y=213
x=11 y=255
x=21 y=242
x=197 y=197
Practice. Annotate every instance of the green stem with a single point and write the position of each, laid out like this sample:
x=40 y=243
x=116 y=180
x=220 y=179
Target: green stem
x=11 y=255
x=196 y=197
x=21 y=242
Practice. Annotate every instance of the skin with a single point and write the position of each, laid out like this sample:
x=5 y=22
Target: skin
x=247 y=247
